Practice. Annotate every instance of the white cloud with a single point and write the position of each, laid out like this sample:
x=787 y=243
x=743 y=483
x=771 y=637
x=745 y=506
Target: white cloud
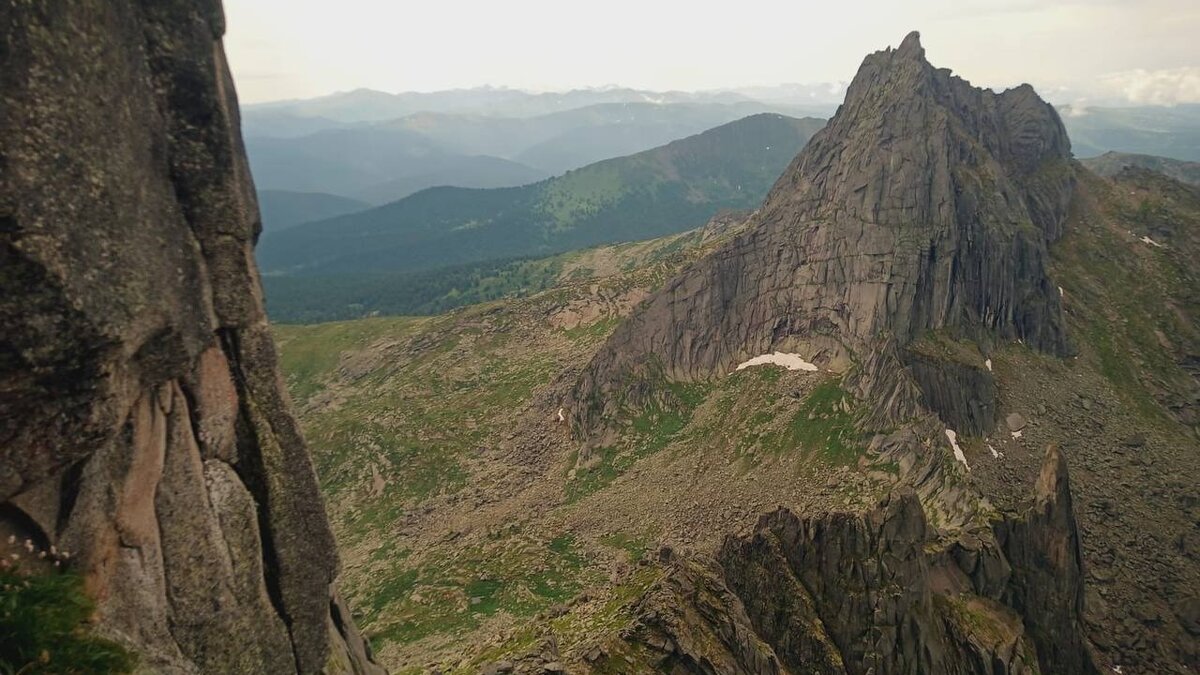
x=1156 y=87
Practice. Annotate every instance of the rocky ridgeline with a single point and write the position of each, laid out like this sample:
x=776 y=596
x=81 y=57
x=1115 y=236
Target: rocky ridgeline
x=872 y=593
x=924 y=205
x=908 y=239
x=142 y=422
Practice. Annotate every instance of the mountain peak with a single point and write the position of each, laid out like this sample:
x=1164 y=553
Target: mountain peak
x=925 y=205
x=911 y=47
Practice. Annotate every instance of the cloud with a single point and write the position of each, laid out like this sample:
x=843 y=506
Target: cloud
x=1076 y=108
x=1156 y=87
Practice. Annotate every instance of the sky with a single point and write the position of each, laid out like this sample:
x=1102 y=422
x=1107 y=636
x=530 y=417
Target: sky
x=1072 y=51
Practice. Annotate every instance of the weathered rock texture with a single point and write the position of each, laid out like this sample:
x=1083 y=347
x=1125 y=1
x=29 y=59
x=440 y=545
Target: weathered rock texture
x=924 y=205
x=872 y=593
x=143 y=427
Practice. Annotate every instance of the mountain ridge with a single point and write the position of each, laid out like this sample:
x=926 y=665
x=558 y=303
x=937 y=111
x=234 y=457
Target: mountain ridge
x=668 y=189
x=1112 y=163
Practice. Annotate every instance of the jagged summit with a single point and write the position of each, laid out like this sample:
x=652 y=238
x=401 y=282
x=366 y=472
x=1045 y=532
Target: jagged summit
x=910 y=47
x=925 y=204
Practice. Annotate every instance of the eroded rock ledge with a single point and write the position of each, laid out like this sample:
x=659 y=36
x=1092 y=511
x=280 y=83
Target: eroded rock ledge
x=143 y=426
x=877 y=593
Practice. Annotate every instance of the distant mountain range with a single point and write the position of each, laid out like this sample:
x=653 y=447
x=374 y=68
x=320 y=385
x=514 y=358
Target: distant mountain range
x=560 y=141
x=282 y=209
x=664 y=190
x=368 y=105
x=376 y=147
x=386 y=161
x=375 y=165
x=1110 y=164
x=1149 y=130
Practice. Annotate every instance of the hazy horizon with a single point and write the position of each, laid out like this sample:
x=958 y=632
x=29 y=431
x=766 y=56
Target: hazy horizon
x=1100 y=52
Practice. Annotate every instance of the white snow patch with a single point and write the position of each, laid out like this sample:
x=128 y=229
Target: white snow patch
x=1148 y=240
x=958 y=453
x=561 y=417
x=1061 y=293
x=789 y=361
x=1016 y=434
x=995 y=454
x=988 y=363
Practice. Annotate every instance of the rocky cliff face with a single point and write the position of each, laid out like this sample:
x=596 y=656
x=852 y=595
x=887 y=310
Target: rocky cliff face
x=874 y=593
x=143 y=427
x=924 y=205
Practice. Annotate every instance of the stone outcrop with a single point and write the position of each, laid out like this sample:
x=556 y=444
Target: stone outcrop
x=1043 y=551
x=925 y=204
x=876 y=593
x=143 y=425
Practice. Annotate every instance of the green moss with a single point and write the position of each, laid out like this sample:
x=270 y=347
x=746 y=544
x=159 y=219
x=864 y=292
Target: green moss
x=453 y=591
x=649 y=432
x=1122 y=295
x=43 y=628
x=593 y=331
x=824 y=425
x=309 y=354
x=634 y=546
x=609 y=465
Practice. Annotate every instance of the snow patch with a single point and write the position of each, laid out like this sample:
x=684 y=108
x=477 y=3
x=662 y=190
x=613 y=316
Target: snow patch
x=789 y=361
x=561 y=417
x=995 y=454
x=1016 y=435
x=988 y=363
x=1061 y=293
x=1147 y=240
x=958 y=453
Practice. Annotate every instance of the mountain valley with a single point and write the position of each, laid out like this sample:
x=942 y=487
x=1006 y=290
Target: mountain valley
x=577 y=480
x=606 y=381
x=347 y=266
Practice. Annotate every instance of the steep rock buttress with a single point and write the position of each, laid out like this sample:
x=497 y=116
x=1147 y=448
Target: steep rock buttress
x=852 y=594
x=143 y=425
x=924 y=205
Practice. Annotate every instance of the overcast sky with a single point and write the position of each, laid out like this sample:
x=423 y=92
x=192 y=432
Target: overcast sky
x=1136 y=51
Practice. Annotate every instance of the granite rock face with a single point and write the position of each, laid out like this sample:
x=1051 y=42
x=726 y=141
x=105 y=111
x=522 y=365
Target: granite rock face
x=143 y=425
x=847 y=593
x=925 y=204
